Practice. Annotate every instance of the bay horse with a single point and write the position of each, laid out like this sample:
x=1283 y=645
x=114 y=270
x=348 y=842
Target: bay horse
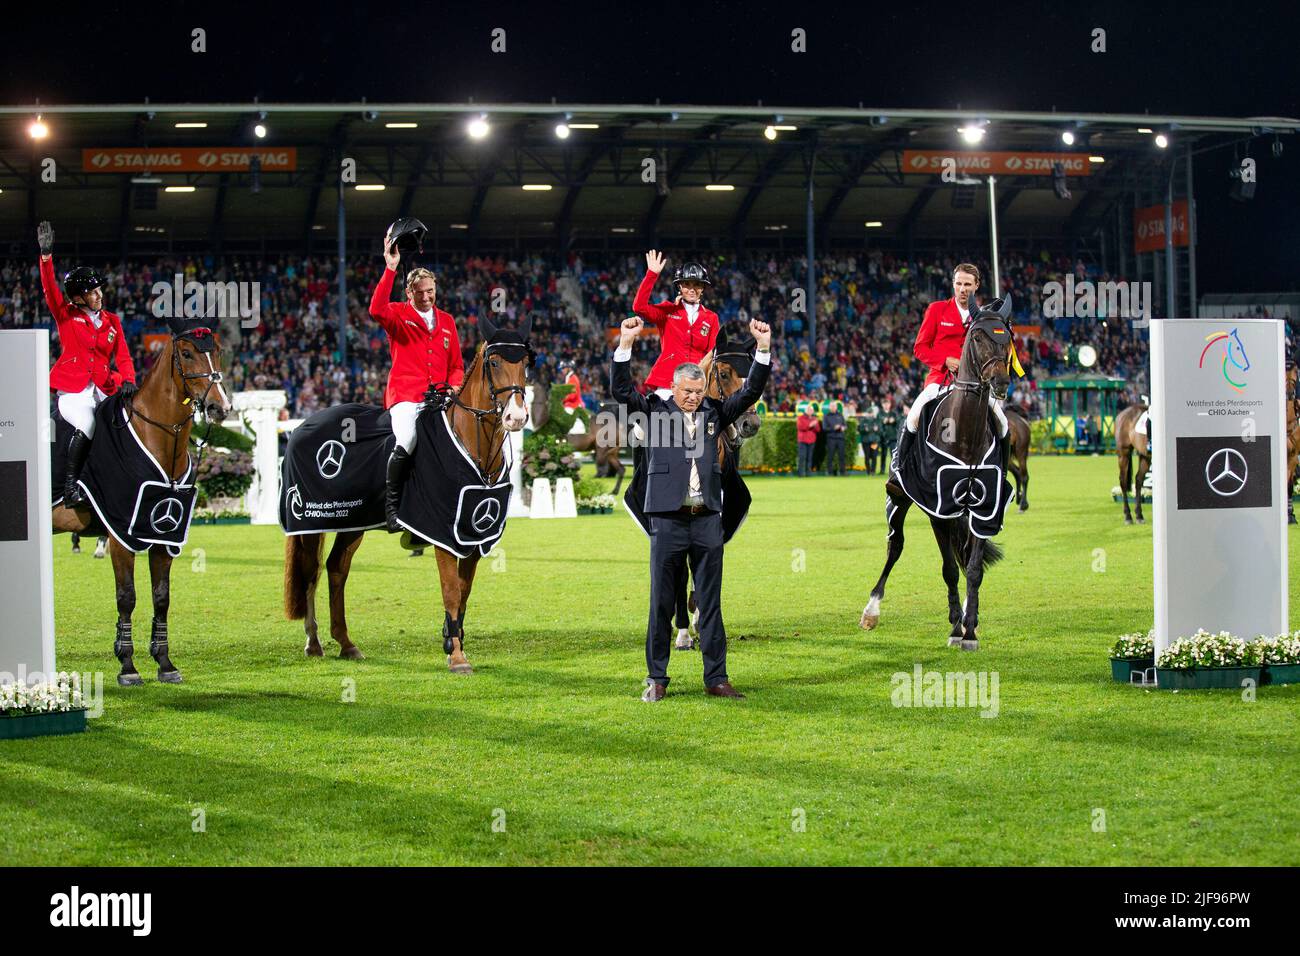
x=162 y=412
x=490 y=403
x=984 y=371
x=1018 y=460
x=1130 y=441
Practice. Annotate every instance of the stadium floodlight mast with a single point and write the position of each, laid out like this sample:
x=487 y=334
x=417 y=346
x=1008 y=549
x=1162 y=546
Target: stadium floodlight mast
x=38 y=128
x=478 y=127
x=972 y=133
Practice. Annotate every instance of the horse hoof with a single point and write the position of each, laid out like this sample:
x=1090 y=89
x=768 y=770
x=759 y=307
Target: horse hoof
x=459 y=668
x=870 y=615
x=313 y=650
x=352 y=653
x=955 y=640
x=970 y=645
x=1128 y=520
x=130 y=680
x=170 y=677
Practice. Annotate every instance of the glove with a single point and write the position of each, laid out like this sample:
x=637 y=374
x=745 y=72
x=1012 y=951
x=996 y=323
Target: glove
x=127 y=389
x=45 y=237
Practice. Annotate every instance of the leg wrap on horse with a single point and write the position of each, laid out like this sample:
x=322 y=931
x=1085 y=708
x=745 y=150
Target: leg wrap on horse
x=158 y=646
x=452 y=628
x=122 y=646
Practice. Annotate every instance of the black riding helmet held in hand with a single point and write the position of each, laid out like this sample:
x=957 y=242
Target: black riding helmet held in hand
x=691 y=272
x=408 y=234
x=82 y=280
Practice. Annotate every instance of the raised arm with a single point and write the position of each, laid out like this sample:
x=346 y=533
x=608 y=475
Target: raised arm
x=733 y=406
x=641 y=305
x=49 y=284
x=381 y=309
x=620 y=384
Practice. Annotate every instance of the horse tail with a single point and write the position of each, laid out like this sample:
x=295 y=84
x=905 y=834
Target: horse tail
x=963 y=538
x=295 y=573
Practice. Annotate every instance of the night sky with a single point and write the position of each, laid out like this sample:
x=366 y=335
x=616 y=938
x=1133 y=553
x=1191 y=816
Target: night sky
x=1218 y=59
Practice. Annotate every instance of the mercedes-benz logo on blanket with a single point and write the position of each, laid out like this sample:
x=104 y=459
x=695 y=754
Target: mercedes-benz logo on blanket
x=486 y=514
x=1225 y=472
x=166 y=515
x=329 y=458
x=969 y=492
x=295 y=502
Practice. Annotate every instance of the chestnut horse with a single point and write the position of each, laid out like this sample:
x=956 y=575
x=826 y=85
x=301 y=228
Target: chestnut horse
x=1127 y=441
x=1018 y=459
x=490 y=403
x=162 y=413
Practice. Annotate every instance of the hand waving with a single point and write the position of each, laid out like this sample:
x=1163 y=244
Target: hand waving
x=655 y=262
x=45 y=237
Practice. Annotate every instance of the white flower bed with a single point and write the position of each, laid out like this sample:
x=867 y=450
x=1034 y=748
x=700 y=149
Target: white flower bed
x=1135 y=645
x=1204 y=649
x=45 y=697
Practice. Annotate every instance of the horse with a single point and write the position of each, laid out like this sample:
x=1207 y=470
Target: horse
x=1018 y=460
x=1292 y=439
x=168 y=405
x=1127 y=441
x=480 y=417
x=984 y=371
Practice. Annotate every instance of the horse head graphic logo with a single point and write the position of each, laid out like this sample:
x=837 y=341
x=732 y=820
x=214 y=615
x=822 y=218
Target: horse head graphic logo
x=1235 y=362
x=295 y=502
x=166 y=515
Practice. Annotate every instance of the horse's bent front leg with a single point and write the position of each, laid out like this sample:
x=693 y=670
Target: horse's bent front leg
x=453 y=607
x=124 y=580
x=160 y=574
x=896 y=507
x=974 y=576
x=951 y=576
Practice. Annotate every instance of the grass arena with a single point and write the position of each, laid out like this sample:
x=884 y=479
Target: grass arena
x=546 y=755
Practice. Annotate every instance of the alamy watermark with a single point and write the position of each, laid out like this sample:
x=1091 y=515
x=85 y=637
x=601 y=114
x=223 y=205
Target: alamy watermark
x=1089 y=300
x=196 y=300
x=658 y=429
x=922 y=688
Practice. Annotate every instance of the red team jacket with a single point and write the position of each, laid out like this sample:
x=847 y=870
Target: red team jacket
x=420 y=357
x=807 y=427
x=681 y=342
x=86 y=350
x=574 y=398
x=942 y=336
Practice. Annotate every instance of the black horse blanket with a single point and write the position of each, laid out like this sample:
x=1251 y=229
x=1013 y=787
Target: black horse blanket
x=332 y=476
x=735 y=496
x=128 y=489
x=446 y=501
x=946 y=487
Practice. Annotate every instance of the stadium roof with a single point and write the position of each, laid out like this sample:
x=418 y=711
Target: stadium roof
x=471 y=190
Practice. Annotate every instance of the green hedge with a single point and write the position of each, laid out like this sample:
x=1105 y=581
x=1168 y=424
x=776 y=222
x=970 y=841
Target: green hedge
x=773 y=448
x=222 y=437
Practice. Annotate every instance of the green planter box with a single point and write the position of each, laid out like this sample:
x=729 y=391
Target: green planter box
x=1201 y=678
x=1122 y=668
x=586 y=510
x=1281 y=674
x=38 y=725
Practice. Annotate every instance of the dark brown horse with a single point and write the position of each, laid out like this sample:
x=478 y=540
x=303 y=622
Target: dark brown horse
x=1128 y=441
x=983 y=372
x=490 y=403
x=184 y=379
x=1018 y=460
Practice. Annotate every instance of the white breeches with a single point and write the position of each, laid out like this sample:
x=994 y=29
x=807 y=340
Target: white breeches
x=403 y=415
x=78 y=408
x=933 y=389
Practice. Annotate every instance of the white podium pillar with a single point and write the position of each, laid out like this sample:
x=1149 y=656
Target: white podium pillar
x=262 y=409
x=517 y=507
x=542 y=506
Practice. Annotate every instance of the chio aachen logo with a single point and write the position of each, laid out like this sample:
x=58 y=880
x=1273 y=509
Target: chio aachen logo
x=1235 y=363
x=486 y=514
x=1225 y=472
x=295 y=502
x=329 y=458
x=166 y=515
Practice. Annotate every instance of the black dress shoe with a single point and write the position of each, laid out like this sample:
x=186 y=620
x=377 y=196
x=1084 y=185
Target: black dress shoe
x=724 y=690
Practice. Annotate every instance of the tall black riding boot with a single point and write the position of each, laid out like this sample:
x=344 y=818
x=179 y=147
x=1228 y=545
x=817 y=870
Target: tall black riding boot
x=904 y=447
x=399 y=468
x=78 y=448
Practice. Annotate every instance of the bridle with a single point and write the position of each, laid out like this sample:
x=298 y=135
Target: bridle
x=213 y=377
x=513 y=352
x=731 y=437
x=981 y=387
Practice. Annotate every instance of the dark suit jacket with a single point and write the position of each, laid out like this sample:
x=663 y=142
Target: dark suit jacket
x=668 y=469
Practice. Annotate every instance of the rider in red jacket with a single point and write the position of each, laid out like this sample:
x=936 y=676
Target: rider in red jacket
x=91 y=340
x=940 y=341
x=687 y=330
x=425 y=350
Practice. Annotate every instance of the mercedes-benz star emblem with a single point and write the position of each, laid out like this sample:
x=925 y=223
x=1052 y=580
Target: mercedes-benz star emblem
x=969 y=492
x=166 y=515
x=329 y=458
x=486 y=514
x=1225 y=472
x=295 y=502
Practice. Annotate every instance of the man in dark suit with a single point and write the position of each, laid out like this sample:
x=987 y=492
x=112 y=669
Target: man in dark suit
x=684 y=500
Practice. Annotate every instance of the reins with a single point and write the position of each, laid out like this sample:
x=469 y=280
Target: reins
x=491 y=416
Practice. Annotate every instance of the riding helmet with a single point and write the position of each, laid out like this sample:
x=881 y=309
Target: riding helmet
x=81 y=280
x=691 y=272
x=408 y=234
